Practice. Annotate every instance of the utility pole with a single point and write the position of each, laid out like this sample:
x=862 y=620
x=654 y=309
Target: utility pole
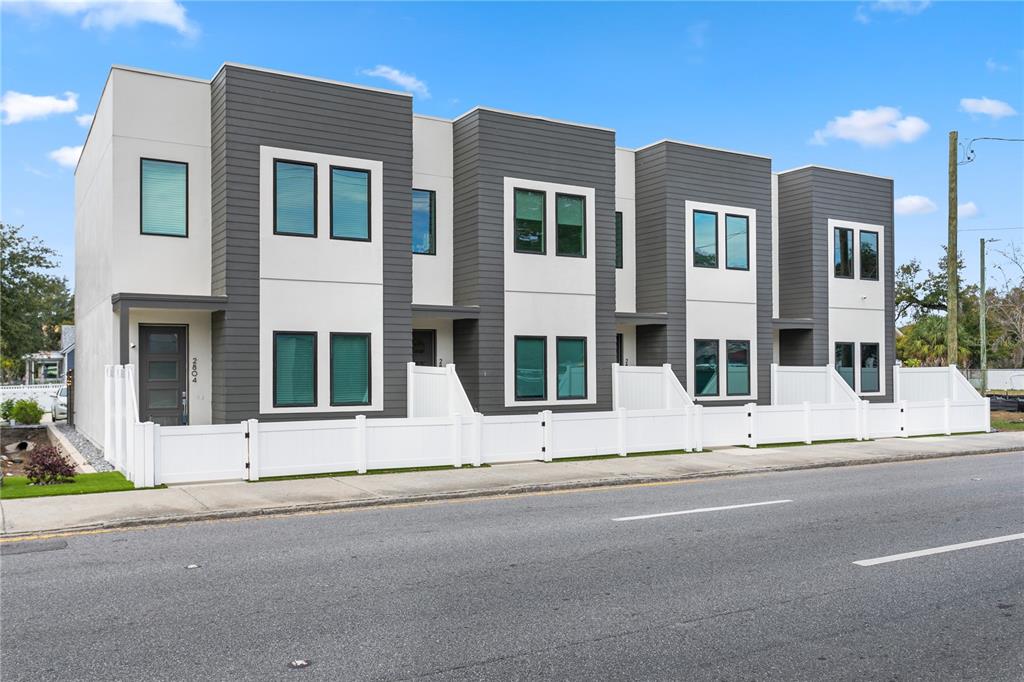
x=952 y=285
x=981 y=324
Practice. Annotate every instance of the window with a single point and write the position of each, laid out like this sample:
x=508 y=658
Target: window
x=737 y=368
x=618 y=348
x=529 y=221
x=295 y=198
x=294 y=369
x=618 y=239
x=531 y=367
x=868 y=255
x=350 y=369
x=844 y=362
x=572 y=367
x=163 y=201
x=737 y=242
x=423 y=221
x=843 y=252
x=705 y=367
x=350 y=204
x=705 y=239
x=869 y=368
x=570 y=226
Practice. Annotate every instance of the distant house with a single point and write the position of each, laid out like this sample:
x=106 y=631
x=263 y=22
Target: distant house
x=44 y=367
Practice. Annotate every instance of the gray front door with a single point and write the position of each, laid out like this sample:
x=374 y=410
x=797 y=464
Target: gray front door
x=162 y=381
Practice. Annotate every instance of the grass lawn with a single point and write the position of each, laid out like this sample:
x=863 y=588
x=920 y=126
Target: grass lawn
x=1008 y=424
x=15 y=487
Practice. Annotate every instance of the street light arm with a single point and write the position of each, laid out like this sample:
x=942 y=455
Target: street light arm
x=968 y=149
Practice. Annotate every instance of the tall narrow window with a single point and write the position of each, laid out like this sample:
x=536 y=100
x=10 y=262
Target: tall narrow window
x=294 y=369
x=618 y=349
x=295 y=198
x=618 y=239
x=844 y=362
x=529 y=221
x=869 y=366
x=570 y=233
x=868 y=255
x=350 y=204
x=350 y=369
x=572 y=367
x=164 y=198
x=705 y=367
x=737 y=242
x=843 y=252
x=705 y=239
x=423 y=222
x=531 y=368
x=737 y=367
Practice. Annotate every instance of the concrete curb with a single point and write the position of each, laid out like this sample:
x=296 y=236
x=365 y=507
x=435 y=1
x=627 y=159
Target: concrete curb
x=287 y=510
x=81 y=463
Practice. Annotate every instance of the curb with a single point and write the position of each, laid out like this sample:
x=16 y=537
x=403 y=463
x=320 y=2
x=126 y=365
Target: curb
x=81 y=463
x=592 y=484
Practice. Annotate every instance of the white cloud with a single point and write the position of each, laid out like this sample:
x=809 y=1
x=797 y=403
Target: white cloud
x=878 y=127
x=67 y=156
x=968 y=210
x=18 y=107
x=906 y=7
x=85 y=120
x=993 y=65
x=108 y=15
x=914 y=204
x=989 y=107
x=406 y=81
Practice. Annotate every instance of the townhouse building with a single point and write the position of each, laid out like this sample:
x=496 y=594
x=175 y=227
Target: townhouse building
x=274 y=246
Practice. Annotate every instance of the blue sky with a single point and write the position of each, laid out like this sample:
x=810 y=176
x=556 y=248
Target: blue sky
x=866 y=86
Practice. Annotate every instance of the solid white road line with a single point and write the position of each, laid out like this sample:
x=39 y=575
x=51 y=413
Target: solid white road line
x=699 y=511
x=939 y=550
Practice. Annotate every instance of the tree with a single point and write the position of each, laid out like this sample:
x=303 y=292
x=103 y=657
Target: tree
x=1006 y=308
x=34 y=303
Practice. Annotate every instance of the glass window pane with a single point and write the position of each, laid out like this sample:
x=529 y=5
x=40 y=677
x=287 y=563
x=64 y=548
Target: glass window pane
x=163 y=370
x=570 y=235
x=529 y=221
x=737 y=245
x=294 y=198
x=869 y=255
x=572 y=368
x=844 y=362
x=618 y=239
x=423 y=221
x=295 y=370
x=737 y=378
x=705 y=367
x=843 y=252
x=163 y=398
x=164 y=198
x=869 y=368
x=705 y=239
x=530 y=368
x=163 y=342
x=350 y=203
x=350 y=369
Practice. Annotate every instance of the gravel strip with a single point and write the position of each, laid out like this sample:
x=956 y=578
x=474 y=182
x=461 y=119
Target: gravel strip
x=92 y=454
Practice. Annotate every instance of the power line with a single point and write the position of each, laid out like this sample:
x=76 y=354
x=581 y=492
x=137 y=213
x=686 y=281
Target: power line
x=991 y=229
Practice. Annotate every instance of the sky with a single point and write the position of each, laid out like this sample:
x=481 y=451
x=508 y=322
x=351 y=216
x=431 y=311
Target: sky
x=872 y=87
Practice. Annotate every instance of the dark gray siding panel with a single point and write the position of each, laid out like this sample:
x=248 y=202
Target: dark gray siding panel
x=252 y=108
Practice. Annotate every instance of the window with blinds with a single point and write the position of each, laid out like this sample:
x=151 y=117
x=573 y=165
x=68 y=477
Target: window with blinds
x=571 y=354
x=531 y=367
x=294 y=369
x=164 y=198
x=350 y=204
x=295 y=198
x=350 y=369
x=570 y=226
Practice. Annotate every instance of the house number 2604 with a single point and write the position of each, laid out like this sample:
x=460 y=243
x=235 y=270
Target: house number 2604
x=195 y=370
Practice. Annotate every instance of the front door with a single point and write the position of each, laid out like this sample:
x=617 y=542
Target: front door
x=424 y=347
x=163 y=389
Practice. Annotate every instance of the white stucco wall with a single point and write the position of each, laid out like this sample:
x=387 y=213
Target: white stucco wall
x=432 y=170
x=625 y=202
x=628 y=332
x=444 y=338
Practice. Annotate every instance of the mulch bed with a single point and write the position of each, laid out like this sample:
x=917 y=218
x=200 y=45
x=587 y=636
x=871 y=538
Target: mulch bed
x=39 y=437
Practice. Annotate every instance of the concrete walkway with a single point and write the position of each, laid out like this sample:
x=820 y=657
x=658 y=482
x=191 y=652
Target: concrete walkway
x=222 y=500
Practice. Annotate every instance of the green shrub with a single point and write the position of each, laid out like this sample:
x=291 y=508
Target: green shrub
x=6 y=407
x=27 y=412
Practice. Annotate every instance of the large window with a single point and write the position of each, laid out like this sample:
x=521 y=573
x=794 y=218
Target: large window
x=164 y=198
x=294 y=369
x=737 y=367
x=350 y=369
x=868 y=255
x=350 y=204
x=705 y=239
x=618 y=239
x=737 y=242
x=529 y=221
x=572 y=367
x=295 y=198
x=423 y=222
x=869 y=364
x=570 y=232
x=705 y=367
x=843 y=252
x=844 y=362
x=531 y=367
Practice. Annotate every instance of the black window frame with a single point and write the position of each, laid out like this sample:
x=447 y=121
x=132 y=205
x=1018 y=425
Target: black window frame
x=618 y=240
x=369 y=368
x=316 y=353
x=860 y=255
x=853 y=252
x=718 y=371
x=515 y=366
x=433 y=224
x=586 y=368
x=749 y=356
x=853 y=360
x=543 y=222
x=620 y=344
x=142 y=162
x=583 y=227
x=746 y=245
x=316 y=200
x=878 y=368
x=369 y=204
x=693 y=239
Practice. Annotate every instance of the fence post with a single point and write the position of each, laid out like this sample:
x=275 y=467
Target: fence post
x=545 y=427
x=698 y=430
x=410 y=393
x=361 y=456
x=945 y=417
x=253 y=440
x=897 y=381
x=157 y=453
x=621 y=431
x=807 y=422
x=665 y=386
x=119 y=412
x=751 y=424
x=951 y=381
x=108 y=413
x=865 y=433
x=831 y=385
x=449 y=389
x=615 y=386
x=904 y=431
x=456 y=440
x=477 y=455
x=775 y=384
x=148 y=455
x=688 y=423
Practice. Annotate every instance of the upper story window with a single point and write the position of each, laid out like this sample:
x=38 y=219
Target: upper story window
x=843 y=252
x=705 y=239
x=737 y=242
x=571 y=233
x=164 y=198
x=618 y=239
x=350 y=204
x=529 y=221
x=868 y=255
x=423 y=222
x=295 y=198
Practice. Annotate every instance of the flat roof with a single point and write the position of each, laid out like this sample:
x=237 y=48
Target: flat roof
x=700 y=146
x=535 y=117
x=312 y=78
x=838 y=170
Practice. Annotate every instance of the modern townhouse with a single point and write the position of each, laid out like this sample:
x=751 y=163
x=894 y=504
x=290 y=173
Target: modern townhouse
x=273 y=246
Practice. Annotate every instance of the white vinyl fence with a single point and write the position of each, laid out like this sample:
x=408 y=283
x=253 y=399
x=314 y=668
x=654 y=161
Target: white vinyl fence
x=41 y=393
x=998 y=379
x=816 y=385
x=647 y=388
x=435 y=392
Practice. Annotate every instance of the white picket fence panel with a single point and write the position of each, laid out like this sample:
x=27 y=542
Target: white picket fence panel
x=726 y=426
x=998 y=379
x=511 y=438
x=817 y=385
x=201 y=453
x=435 y=392
x=647 y=388
x=41 y=393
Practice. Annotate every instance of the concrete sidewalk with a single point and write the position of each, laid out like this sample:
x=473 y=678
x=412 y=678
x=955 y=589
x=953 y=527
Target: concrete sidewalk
x=223 y=500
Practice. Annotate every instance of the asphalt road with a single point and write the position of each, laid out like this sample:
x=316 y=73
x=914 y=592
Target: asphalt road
x=552 y=586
